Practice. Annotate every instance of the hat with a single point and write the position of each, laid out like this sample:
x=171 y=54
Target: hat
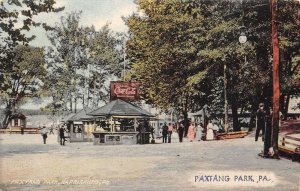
x=261 y=105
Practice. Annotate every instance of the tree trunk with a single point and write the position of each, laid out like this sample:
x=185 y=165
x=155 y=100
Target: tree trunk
x=186 y=122
x=286 y=106
x=185 y=115
x=252 y=121
x=75 y=100
x=236 y=126
x=8 y=113
x=6 y=121
x=282 y=103
x=71 y=104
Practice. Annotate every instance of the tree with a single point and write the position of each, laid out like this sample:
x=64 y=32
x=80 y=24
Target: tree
x=80 y=62
x=289 y=37
x=17 y=18
x=163 y=45
x=178 y=50
x=25 y=78
x=221 y=49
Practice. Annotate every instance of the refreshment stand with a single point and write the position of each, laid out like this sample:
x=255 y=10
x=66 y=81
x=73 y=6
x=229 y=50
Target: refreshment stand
x=125 y=123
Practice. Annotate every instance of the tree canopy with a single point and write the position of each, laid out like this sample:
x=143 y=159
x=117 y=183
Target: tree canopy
x=178 y=50
x=21 y=67
x=80 y=62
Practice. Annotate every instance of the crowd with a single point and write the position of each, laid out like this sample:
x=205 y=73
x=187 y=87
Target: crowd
x=194 y=132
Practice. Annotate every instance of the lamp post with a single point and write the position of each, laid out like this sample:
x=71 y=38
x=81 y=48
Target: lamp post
x=243 y=37
x=242 y=40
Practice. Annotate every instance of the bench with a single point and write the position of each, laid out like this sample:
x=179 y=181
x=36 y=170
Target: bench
x=291 y=146
x=18 y=130
x=231 y=135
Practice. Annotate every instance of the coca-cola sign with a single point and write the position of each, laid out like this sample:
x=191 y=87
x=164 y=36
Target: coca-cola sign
x=128 y=91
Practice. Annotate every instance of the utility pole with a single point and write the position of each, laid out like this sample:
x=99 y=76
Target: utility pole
x=276 y=89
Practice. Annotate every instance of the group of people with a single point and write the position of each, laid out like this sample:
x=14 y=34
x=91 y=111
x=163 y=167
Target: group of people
x=194 y=132
x=167 y=133
x=44 y=132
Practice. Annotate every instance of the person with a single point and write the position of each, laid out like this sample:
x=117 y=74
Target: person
x=165 y=133
x=199 y=130
x=210 y=132
x=191 y=132
x=22 y=130
x=141 y=135
x=51 y=130
x=268 y=131
x=79 y=130
x=170 y=130
x=180 y=131
x=175 y=126
x=44 y=134
x=62 y=135
x=215 y=129
x=260 y=122
x=152 y=131
x=136 y=125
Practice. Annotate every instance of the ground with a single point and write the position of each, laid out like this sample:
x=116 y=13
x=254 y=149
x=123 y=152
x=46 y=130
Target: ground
x=27 y=164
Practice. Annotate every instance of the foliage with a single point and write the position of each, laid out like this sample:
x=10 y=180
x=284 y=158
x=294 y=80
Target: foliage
x=178 y=50
x=25 y=77
x=161 y=49
x=80 y=62
x=19 y=64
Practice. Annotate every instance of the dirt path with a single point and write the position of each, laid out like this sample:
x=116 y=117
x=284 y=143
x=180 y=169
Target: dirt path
x=27 y=164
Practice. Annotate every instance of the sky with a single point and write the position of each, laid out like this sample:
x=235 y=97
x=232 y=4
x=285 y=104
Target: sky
x=94 y=12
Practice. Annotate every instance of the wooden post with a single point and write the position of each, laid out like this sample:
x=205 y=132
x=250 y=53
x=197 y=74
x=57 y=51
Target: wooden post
x=276 y=89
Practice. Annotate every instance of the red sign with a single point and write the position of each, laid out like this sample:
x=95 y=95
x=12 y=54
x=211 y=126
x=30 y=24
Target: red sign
x=128 y=91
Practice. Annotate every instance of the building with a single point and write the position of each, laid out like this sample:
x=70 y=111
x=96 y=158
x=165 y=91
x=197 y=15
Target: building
x=17 y=120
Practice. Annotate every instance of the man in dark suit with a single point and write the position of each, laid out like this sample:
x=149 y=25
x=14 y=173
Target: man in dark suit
x=260 y=122
x=62 y=135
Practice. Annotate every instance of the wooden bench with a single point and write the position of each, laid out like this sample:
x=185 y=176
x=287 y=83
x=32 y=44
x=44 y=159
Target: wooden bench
x=290 y=145
x=18 y=130
x=14 y=130
x=231 y=135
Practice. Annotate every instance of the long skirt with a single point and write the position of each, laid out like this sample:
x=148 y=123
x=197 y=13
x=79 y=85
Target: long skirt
x=198 y=135
x=210 y=134
x=191 y=134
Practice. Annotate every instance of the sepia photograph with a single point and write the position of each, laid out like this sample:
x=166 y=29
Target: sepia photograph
x=149 y=95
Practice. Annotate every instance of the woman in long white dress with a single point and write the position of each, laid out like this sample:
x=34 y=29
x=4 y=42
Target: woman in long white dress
x=199 y=132
x=210 y=132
